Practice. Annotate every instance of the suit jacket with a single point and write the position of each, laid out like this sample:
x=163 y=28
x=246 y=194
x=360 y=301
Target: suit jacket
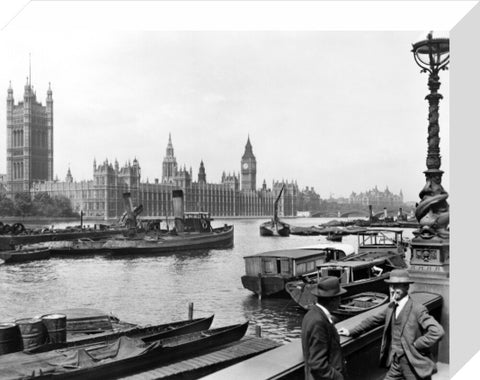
x=321 y=347
x=419 y=332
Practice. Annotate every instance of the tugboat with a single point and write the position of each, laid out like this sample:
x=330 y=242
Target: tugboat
x=192 y=231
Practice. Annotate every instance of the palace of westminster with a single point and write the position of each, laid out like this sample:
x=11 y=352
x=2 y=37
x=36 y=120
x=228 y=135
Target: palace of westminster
x=30 y=169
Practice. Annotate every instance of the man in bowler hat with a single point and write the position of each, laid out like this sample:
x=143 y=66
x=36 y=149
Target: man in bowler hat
x=408 y=335
x=320 y=341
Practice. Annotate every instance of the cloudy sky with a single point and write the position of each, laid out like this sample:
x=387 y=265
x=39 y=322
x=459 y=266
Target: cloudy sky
x=339 y=111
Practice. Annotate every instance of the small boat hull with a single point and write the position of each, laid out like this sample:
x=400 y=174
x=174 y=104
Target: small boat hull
x=147 y=334
x=24 y=255
x=265 y=285
x=218 y=239
x=266 y=230
x=283 y=229
x=359 y=303
x=274 y=229
x=301 y=291
x=334 y=237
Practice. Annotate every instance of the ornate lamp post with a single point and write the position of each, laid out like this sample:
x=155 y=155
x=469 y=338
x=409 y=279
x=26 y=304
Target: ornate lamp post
x=430 y=261
x=432 y=212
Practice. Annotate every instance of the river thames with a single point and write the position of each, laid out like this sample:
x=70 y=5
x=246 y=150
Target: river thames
x=152 y=290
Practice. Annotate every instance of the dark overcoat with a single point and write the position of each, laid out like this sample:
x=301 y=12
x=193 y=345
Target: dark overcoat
x=321 y=347
x=419 y=332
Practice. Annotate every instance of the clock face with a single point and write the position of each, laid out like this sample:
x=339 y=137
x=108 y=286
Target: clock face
x=245 y=165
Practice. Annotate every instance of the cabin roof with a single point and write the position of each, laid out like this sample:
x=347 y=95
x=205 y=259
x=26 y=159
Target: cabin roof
x=150 y=219
x=303 y=252
x=352 y=264
x=347 y=248
x=298 y=253
x=197 y=215
x=371 y=255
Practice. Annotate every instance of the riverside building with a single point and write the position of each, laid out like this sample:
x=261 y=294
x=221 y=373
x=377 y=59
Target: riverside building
x=235 y=195
x=30 y=169
x=29 y=140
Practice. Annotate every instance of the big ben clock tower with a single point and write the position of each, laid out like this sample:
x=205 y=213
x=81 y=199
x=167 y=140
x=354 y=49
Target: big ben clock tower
x=249 y=168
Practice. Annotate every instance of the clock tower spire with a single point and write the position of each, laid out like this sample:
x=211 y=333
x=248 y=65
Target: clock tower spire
x=249 y=168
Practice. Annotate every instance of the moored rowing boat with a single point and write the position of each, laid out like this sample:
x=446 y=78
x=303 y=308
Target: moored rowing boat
x=124 y=356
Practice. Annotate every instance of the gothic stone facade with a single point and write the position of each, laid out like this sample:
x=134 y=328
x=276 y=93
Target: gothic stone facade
x=29 y=140
x=235 y=195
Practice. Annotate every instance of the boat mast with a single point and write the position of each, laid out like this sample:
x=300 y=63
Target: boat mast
x=275 y=205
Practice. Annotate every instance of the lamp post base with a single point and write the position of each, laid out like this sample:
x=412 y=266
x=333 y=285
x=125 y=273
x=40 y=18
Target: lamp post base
x=430 y=269
x=431 y=256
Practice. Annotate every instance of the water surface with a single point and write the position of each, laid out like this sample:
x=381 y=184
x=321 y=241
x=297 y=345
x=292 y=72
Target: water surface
x=150 y=290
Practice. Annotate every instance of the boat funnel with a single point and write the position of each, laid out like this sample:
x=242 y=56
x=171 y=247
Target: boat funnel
x=370 y=211
x=385 y=212
x=178 y=213
x=127 y=201
x=130 y=218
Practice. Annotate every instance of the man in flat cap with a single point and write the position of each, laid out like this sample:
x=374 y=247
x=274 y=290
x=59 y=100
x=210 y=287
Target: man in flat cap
x=408 y=335
x=320 y=341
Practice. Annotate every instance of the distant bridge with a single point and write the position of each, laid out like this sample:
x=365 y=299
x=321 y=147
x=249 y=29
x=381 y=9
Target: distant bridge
x=340 y=214
x=350 y=213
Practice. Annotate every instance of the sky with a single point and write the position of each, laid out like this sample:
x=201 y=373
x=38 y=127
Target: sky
x=338 y=111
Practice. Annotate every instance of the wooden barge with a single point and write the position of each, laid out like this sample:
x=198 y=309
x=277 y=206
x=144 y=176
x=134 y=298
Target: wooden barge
x=9 y=241
x=85 y=326
x=267 y=273
x=126 y=355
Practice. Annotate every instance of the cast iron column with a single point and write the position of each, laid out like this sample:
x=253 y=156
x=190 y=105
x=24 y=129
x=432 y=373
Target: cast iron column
x=430 y=261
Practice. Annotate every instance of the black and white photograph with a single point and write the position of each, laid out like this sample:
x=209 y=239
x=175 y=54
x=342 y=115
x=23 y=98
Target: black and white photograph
x=222 y=190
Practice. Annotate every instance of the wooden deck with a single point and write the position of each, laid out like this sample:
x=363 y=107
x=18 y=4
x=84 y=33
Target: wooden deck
x=204 y=364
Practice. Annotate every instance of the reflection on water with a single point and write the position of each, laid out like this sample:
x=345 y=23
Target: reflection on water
x=156 y=289
x=280 y=319
x=35 y=272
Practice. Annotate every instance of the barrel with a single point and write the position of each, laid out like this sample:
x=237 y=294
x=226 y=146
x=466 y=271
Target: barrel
x=56 y=326
x=10 y=339
x=32 y=331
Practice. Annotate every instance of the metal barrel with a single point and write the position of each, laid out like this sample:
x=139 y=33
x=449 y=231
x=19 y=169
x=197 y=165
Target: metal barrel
x=10 y=338
x=56 y=327
x=32 y=332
